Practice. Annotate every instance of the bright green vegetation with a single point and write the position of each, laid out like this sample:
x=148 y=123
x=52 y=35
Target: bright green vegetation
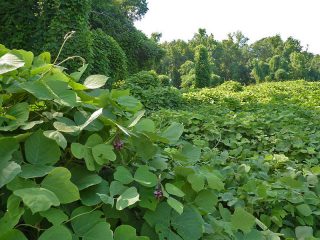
x=118 y=137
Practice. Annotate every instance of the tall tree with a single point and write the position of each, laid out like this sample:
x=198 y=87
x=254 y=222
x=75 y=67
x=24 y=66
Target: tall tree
x=202 y=67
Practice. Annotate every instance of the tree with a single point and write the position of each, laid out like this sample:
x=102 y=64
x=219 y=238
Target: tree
x=202 y=67
x=260 y=71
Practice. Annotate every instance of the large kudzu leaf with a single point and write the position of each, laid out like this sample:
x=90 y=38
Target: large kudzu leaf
x=58 y=181
x=13 y=234
x=56 y=136
x=84 y=219
x=56 y=232
x=172 y=189
x=242 y=220
x=8 y=171
x=303 y=232
x=129 y=103
x=206 y=200
x=123 y=175
x=197 y=181
x=145 y=177
x=173 y=132
x=127 y=198
x=189 y=225
x=10 y=62
x=90 y=196
x=101 y=231
x=16 y=116
x=8 y=147
x=175 y=204
x=37 y=199
x=103 y=153
x=61 y=93
x=41 y=150
x=55 y=216
x=214 y=182
x=83 y=178
x=95 y=81
x=126 y=232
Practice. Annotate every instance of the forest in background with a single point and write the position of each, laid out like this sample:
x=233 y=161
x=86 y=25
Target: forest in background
x=108 y=40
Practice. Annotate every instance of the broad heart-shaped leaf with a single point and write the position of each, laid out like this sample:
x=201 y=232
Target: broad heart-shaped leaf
x=95 y=81
x=34 y=171
x=16 y=116
x=61 y=93
x=144 y=147
x=56 y=136
x=304 y=209
x=242 y=220
x=136 y=118
x=130 y=103
x=175 y=204
x=84 y=219
x=206 y=200
x=90 y=195
x=37 y=199
x=303 y=232
x=101 y=231
x=173 y=132
x=126 y=232
x=189 y=225
x=123 y=175
x=41 y=150
x=55 y=216
x=145 y=125
x=172 y=189
x=8 y=171
x=56 y=232
x=83 y=178
x=58 y=181
x=10 y=62
x=145 y=177
x=103 y=153
x=127 y=198
x=197 y=181
x=214 y=182
x=13 y=234
x=8 y=147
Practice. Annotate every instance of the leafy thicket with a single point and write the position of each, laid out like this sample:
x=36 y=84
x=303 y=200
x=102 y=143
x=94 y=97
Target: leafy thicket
x=263 y=140
x=268 y=59
x=202 y=67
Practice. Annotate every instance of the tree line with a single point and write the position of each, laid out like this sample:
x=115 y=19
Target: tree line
x=108 y=40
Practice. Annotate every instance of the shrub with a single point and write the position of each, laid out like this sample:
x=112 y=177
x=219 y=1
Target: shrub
x=164 y=80
x=143 y=79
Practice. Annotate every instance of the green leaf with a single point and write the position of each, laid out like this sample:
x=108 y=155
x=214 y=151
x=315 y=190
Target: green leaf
x=55 y=216
x=41 y=150
x=144 y=147
x=136 y=118
x=214 y=182
x=206 y=201
x=84 y=178
x=303 y=232
x=16 y=116
x=197 y=181
x=34 y=171
x=77 y=75
x=175 y=204
x=90 y=197
x=172 y=189
x=117 y=188
x=130 y=103
x=8 y=147
x=145 y=125
x=126 y=232
x=84 y=219
x=92 y=118
x=189 y=225
x=173 y=132
x=13 y=234
x=192 y=152
x=58 y=181
x=56 y=136
x=78 y=150
x=56 y=232
x=106 y=199
x=103 y=153
x=127 y=198
x=123 y=175
x=37 y=199
x=95 y=81
x=101 y=231
x=10 y=62
x=8 y=171
x=242 y=220
x=304 y=210
x=145 y=177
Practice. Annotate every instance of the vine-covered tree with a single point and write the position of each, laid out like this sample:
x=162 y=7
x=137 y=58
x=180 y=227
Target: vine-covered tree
x=202 y=67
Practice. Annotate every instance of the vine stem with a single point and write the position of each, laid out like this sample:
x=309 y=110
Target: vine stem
x=66 y=37
x=81 y=214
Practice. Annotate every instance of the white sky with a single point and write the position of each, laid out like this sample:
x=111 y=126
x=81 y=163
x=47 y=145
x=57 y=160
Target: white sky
x=180 y=19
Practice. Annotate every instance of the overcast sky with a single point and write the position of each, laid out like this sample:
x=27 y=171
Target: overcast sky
x=180 y=19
